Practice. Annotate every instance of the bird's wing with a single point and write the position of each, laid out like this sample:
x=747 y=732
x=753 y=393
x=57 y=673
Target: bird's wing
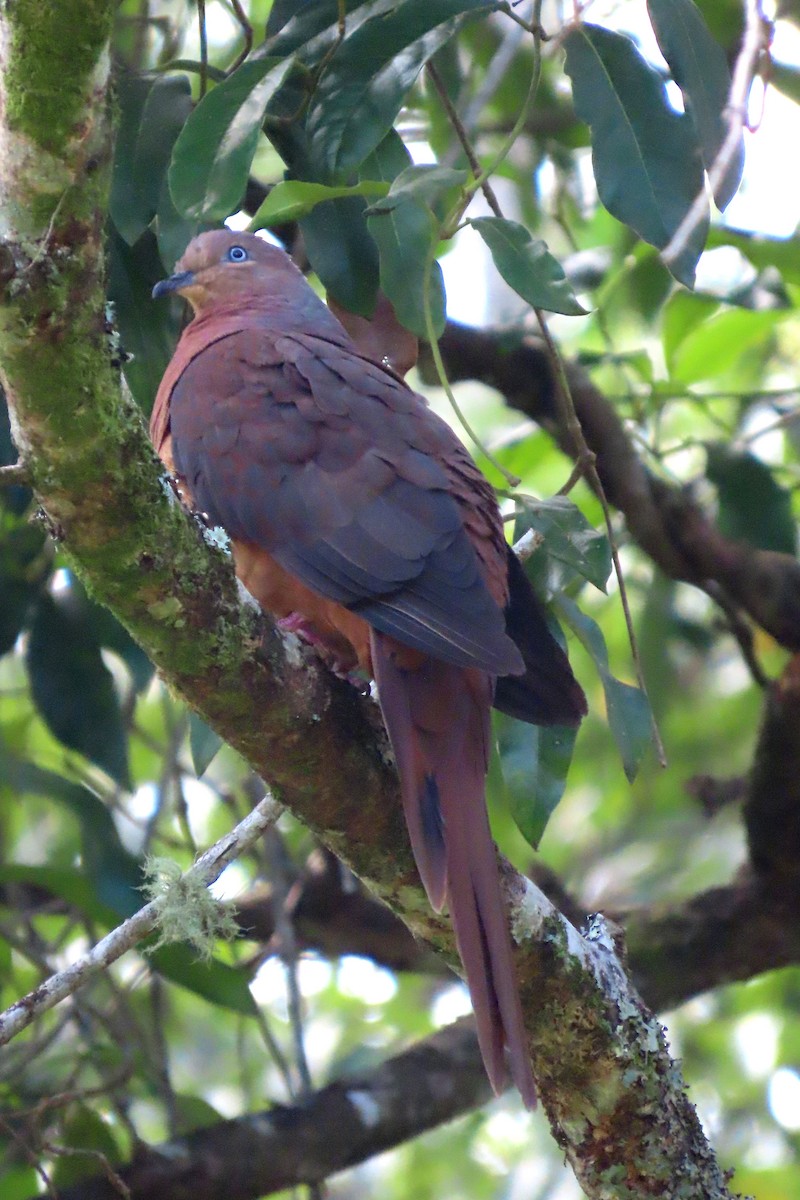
x=339 y=471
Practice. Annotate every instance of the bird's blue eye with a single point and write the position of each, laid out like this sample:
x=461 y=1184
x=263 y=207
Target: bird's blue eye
x=237 y=254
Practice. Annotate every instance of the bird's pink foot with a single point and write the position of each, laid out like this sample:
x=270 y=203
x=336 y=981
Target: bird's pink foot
x=296 y=623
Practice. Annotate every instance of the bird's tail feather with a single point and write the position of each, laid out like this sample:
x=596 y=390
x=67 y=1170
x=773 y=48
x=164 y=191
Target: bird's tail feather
x=437 y=717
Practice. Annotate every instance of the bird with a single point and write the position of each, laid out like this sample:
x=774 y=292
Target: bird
x=357 y=518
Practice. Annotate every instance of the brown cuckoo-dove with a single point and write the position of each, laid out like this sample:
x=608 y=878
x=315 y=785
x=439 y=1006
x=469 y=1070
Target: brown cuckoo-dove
x=356 y=514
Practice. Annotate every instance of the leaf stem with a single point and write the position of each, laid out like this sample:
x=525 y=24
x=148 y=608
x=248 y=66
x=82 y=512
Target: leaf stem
x=433 y=340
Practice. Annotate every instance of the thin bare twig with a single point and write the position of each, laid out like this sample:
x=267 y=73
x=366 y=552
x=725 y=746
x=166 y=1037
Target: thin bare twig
x=282 y=881
x=247 y=33
x=16 y=475
x=201 y=20
x=463 y=138
x=741 y=630
x=493 y=77
x=207 y=869
x=30 y=1156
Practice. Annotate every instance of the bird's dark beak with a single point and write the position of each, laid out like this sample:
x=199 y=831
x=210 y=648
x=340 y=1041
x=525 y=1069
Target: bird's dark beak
x=173 y=284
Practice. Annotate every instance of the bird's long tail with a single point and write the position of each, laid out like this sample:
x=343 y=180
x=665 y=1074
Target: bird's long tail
x=437 y=717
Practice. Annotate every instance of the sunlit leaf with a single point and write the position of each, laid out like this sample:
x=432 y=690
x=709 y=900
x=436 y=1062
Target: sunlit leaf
x=20 y=1183
x=762 y=251
x=683 y=312
x=294 y=198
x=528 y=266
x=726 y=339
x=645 y=155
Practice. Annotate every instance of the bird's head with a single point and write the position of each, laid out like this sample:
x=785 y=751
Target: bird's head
x=222 y=267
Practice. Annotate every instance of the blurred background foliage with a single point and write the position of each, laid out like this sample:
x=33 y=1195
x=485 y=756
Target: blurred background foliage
x=99 y=766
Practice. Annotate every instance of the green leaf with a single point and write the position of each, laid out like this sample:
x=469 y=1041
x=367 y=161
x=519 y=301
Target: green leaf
x=528 y=266
x=153 y=110
x=297 y=24
x=69 y=885
x=760 y=250
x=715 y=347
x=404 y=237
x=646 y=160
x=786 y=78
x=20 y=1183
x=700 y=69
x=214 y=151
x=215 y=981
x=173 y=231
x=193 y=1112
x=753 y=508
x=534 y=762
x=366 y=81
x=342 y=253
x=114 y=873
x=83 y=1130
x=127 y=208
x=204 y=744
x=110 y=634
x=294 y=198
x=627 y=709
x=22 y=574
x=427 y=184
x=568 y=536
x=148 y=329
x=73 y=689
x=683 y=313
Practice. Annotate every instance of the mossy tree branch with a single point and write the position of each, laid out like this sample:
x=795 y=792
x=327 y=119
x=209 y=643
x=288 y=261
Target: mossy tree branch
x=615 y=1100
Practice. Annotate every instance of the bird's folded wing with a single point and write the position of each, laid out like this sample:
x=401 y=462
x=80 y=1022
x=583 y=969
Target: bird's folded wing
x=333 y=467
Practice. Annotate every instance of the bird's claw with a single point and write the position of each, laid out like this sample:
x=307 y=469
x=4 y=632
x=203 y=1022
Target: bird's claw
x=296 y=623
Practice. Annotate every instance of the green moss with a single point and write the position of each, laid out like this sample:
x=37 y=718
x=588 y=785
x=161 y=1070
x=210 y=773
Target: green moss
x=49 y=66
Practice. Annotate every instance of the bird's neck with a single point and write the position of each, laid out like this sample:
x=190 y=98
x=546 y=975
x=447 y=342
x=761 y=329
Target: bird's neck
x=273 y=313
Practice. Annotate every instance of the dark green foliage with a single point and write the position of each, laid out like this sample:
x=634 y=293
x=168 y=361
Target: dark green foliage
x=753 y=507
x=72 y=687
x=646 y=159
